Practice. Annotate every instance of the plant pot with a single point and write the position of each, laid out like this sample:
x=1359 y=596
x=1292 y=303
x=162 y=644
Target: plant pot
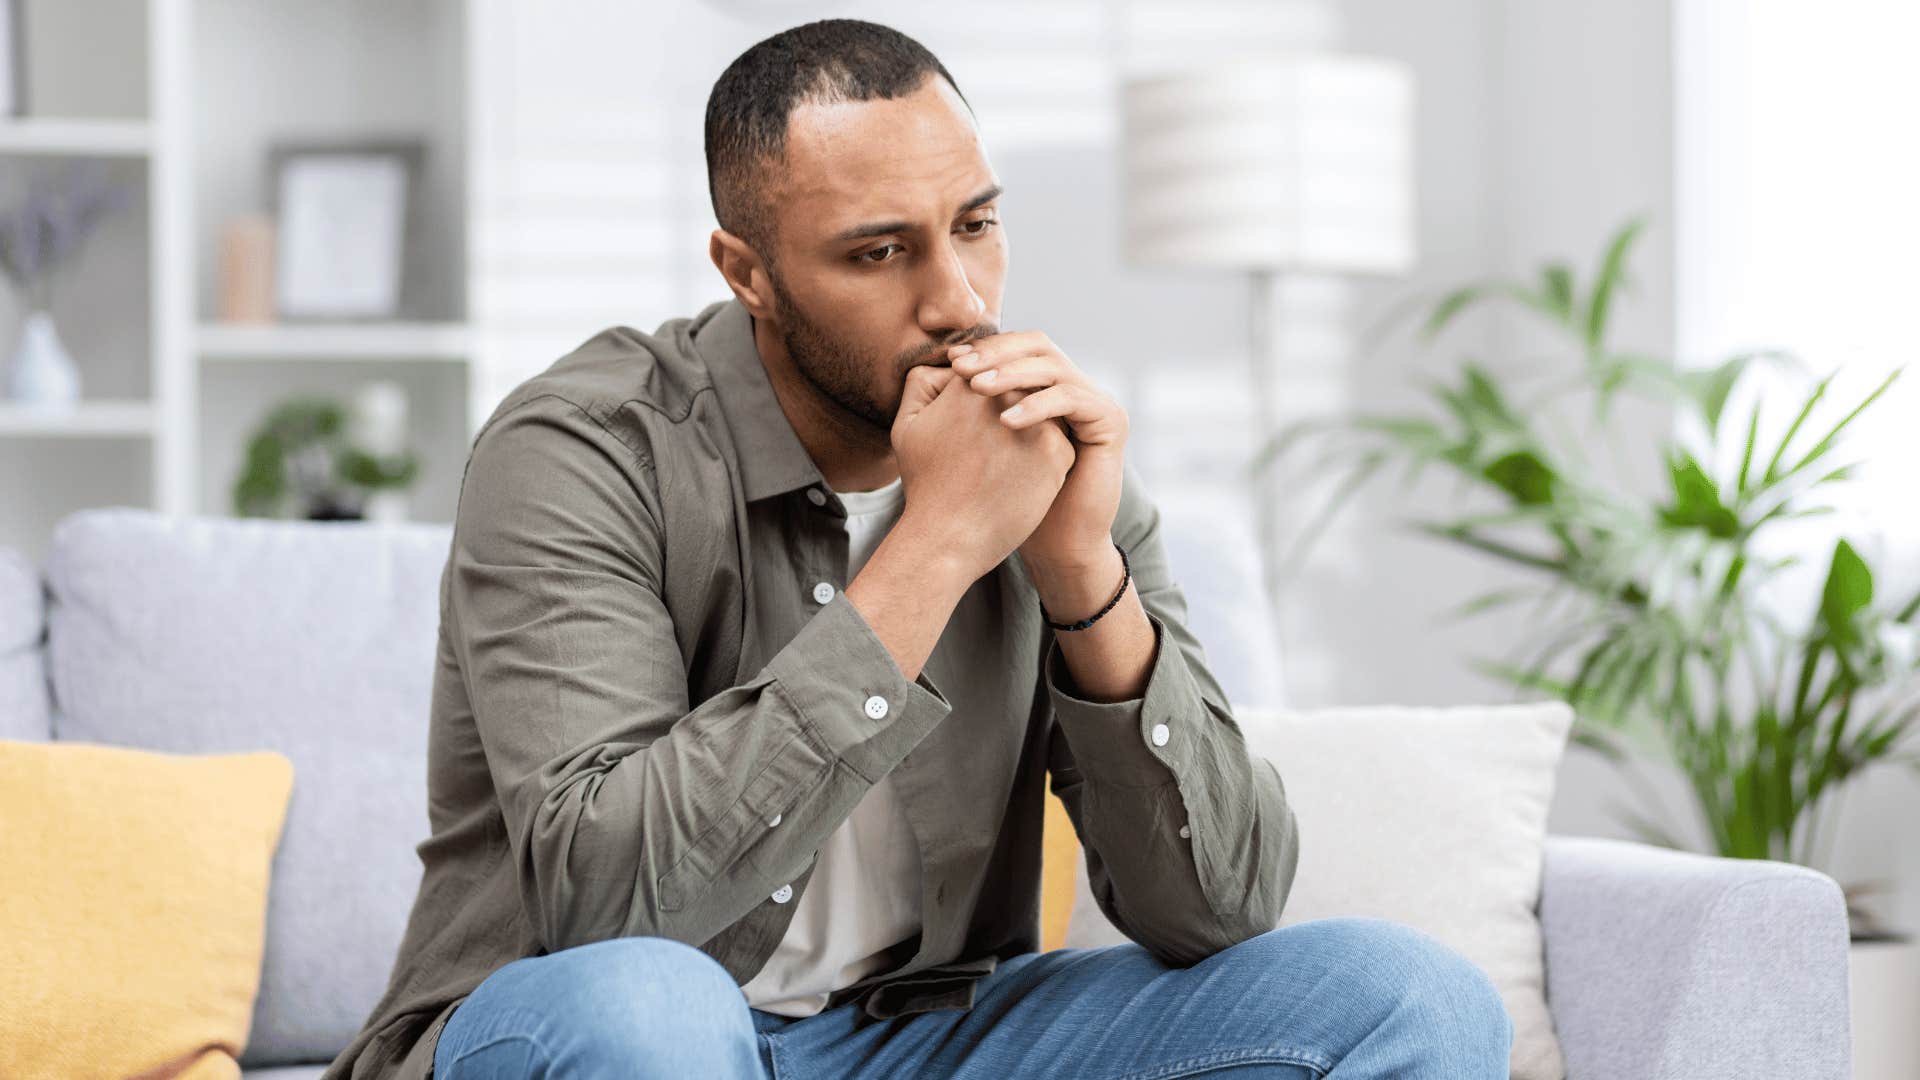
x=44 y=375
x=1883 y=983
x=325 y=507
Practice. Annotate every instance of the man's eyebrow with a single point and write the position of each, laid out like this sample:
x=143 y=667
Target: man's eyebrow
x=883 y=228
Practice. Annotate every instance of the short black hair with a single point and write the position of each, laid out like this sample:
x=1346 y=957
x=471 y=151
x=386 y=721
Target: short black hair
x=830 y=60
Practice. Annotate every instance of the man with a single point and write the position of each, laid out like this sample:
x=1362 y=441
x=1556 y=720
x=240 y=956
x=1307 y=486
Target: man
x=760 y=635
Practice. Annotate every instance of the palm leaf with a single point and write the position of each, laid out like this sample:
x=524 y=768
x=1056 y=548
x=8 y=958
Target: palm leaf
x=1609 y=278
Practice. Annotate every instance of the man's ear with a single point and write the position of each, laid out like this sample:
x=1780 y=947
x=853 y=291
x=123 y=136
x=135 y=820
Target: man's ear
x=744 y=272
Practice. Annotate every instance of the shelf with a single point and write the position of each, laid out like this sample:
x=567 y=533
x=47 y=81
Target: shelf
x=335 y=341
x=88 y=138
x=104 y=418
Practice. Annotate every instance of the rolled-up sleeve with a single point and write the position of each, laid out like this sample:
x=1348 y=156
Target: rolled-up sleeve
x=630 y=810
x=1189 y=840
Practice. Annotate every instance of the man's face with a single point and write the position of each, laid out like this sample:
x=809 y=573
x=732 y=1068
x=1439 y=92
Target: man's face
x=890 y=246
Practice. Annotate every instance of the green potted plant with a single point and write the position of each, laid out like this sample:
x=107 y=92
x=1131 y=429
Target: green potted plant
x=302 y=463
x=1654 y=619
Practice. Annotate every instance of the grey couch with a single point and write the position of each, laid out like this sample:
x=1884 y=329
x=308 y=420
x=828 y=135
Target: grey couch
x=316 y=640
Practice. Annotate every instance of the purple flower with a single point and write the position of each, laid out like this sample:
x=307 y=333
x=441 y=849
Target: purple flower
x=53 y=221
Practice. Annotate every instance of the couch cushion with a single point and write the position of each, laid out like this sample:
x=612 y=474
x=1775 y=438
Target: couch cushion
x=23 y=677
x=315 y=639
x=134 y=922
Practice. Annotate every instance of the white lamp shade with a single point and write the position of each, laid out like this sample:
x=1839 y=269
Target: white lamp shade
x=1297 y=161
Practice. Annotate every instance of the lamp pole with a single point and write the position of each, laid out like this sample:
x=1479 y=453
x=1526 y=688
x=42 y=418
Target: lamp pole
x=1260 y=338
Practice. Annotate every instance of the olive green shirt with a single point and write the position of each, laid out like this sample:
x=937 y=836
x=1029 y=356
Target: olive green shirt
x=652 y=703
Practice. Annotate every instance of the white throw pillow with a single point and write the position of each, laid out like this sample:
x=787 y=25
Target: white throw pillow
x=1431 y=817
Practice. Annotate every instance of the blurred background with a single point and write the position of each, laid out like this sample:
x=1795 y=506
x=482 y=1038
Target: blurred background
x=281 y=259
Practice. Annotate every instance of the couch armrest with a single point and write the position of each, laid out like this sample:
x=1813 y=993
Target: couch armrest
x=1668 y=965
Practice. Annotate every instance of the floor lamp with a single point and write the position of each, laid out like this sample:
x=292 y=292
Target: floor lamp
x=1287 y=163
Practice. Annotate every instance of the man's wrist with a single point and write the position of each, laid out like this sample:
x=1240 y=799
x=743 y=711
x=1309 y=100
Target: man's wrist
x=1074 y=589
x=937 y=561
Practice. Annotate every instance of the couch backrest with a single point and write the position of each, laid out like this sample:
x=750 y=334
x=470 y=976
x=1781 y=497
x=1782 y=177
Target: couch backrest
x=315 y=639
x=23 y=674
x=1215 y=557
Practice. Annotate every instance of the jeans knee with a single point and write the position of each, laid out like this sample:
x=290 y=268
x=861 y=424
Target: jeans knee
x=632 y=996
x=1412 y=977
x=644 y=967
x=1423 y=975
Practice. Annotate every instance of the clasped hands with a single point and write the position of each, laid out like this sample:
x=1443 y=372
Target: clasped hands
x=1031 y=382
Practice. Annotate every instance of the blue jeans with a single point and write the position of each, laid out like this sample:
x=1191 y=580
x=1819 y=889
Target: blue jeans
x=1340 y=997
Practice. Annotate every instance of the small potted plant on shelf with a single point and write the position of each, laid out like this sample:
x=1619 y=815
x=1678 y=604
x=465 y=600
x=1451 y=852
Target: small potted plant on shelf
x=36 y=238
x=1658 y=596
x=304 y=461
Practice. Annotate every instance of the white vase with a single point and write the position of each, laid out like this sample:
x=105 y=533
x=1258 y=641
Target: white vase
x=44 y=374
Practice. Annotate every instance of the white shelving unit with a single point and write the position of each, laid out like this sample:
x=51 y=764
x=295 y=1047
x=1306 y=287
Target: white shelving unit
x=184 y=97
x=97 y=417
x=85 y=138
x=364 y=341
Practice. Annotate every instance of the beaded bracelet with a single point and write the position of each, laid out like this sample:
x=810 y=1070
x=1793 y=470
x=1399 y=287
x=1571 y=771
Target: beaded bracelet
x=1126 y=574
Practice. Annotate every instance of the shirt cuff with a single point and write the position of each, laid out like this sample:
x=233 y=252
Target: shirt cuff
x=840 y=678
x=1133 y=743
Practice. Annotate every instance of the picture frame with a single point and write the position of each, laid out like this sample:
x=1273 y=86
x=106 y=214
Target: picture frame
x=345 y=220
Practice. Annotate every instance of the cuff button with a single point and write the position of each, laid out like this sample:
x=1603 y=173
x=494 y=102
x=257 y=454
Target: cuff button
x=876 y=706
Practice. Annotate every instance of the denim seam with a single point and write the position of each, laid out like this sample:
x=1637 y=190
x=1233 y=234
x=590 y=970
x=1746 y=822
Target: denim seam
x=1194 y=1066
x=496 y=1041
x=773 y=1056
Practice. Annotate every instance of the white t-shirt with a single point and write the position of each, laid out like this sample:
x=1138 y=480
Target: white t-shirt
x=864 y=895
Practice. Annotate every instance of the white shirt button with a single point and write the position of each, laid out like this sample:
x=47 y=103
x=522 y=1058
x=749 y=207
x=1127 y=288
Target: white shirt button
x=876 y=706
x=783 y=894
x=1185 y=832
x=1160 y=734
x=823 y=592
x=815 y=497
x=774 y=820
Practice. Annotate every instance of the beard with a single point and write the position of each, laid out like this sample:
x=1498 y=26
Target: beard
x=845 y=373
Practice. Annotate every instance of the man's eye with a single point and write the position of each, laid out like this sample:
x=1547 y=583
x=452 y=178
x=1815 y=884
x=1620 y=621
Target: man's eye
x=985 y=225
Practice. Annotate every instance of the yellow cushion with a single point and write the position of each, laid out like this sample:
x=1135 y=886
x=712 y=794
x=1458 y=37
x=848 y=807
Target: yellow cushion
x=133 y=906
x=1059 y=859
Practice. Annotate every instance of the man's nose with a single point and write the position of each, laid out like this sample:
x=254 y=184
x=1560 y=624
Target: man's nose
x=950 y=304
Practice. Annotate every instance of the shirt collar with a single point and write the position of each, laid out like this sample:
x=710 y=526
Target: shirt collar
x=772 y=459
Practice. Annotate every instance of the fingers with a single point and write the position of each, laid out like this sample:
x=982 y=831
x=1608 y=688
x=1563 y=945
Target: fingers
x=1032 y=349
x=924 y=382
x=934 y=377
x=997 y=347
x=1025 y=373
x=1092 y=417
